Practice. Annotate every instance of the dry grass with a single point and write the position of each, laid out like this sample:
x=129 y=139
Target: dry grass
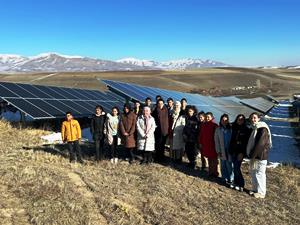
x=40 y=188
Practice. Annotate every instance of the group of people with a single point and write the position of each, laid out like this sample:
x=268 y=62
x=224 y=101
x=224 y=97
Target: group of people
x=152 y=127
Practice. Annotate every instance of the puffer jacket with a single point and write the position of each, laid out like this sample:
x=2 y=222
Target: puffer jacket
x=262 y=144
x=70 y=131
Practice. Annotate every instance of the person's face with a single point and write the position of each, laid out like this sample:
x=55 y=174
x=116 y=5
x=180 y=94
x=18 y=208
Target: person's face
x=114 y=112
x=208 y=118
x=160 y=104
x=177 y=107
x=137 y=105
x=183 y=104
x=240 y=120
x=148 y=102
x=254 y=119
x=201 y=118
x=170 y=103
x=224 y=121
x=191 y=112
x=69 y=117
x=147 y=112
x=126 y=110
x=98 y=111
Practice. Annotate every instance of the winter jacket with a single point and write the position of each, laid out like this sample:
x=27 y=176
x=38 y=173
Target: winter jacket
x=206 y=139
x=177 y=124
x=97 y=126
x=239 y=139
x=127 y=125
x=145 y=144
x=220 y=144
x=161 y=117
x=108 y=129
x=190 y=130
x=262 y=143
x=70 y=131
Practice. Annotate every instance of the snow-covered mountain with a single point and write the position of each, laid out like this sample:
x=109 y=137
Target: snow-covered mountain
x=293 y=67
x=54 y=62
x=181 y=64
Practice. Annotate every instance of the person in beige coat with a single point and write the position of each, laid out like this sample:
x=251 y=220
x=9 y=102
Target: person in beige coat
x=177 y=123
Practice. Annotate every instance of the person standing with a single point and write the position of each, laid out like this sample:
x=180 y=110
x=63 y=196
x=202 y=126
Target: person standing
x=190 y=133
x=206 y=140
x=71 y=134
x=161 y=116
x=222 y=143
x=97 y=130
x=177 y=124
x=137 y=109
x=201 y=121
x=258 y=148
x=183 y=111
x=111 y=130
x=145 y=135
x=170 y=105
x=238 y=145
x=127 y=129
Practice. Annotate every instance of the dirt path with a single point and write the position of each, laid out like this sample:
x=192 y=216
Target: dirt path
x=43 y=77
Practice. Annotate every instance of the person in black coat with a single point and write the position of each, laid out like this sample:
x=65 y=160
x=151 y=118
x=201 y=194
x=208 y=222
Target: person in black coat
x=190 y=134
x=238 y=145
x=97 y=130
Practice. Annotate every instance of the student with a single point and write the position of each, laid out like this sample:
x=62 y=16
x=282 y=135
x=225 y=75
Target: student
x=170 y=105
x=238 y=145
x=177 y=124
x=258 y=148
x=111 y=130
x=71 y=134
x=222 y=143
x=137 y=109
x=190 y=134
x=183 y=111
x=127 y=129
x=148 y=102
x=145 y=135
x=161 y=117
x=97 y=130
x=206 y=140
x=202 y=120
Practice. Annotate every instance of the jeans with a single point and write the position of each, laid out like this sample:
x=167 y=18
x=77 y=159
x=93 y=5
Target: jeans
x=227 y=170
x=258 y=175
x=74 y=149
x=238 y=176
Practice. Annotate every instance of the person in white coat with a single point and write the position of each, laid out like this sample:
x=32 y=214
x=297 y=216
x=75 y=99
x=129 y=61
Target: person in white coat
x=145 y=134
x=177 y=123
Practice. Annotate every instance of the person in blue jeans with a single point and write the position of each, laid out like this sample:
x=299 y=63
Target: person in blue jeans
x=238 y=145
x=222 y=143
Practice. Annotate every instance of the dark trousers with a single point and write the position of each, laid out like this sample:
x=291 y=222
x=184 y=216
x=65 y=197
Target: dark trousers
x=160 y=142
x=191 y=152
x=74 y=150
x=130 y=154
x=238 y=176
x=147 y=157
x=99 y=148
x=113 y=147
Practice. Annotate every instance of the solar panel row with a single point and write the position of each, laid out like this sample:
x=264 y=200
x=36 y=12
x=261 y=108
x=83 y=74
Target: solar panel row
x=259 y=104
x=44 y=102
x=218 y=105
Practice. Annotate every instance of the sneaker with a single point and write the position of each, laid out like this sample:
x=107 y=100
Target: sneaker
x=239 y=188
x=231 y=185
x=115 y=160
x=258 y=195
x=252 y=192
x=112 y=160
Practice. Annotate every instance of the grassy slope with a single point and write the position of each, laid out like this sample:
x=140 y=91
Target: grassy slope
x=40 y=188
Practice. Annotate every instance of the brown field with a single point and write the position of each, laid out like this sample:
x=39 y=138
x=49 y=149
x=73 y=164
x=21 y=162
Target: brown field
x=42 y=188
x=213 y=81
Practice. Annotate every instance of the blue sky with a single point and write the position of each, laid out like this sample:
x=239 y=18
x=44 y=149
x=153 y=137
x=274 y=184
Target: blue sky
x=238 y=32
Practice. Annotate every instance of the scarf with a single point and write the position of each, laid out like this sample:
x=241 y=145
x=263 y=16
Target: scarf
x=251 y=141
x=147 y=124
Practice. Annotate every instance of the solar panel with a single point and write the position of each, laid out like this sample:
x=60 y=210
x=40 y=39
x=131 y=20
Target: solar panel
x=47 y=102
x=216 y=105
x=258 y=103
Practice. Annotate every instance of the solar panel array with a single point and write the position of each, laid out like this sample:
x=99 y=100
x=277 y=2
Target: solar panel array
x=217 y=105
x=47 y=102
x=258 y=103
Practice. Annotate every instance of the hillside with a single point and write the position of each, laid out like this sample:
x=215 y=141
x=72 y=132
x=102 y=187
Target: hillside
x=41 y=188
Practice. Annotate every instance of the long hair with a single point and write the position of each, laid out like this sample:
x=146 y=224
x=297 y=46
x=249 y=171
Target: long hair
x=221 y=118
